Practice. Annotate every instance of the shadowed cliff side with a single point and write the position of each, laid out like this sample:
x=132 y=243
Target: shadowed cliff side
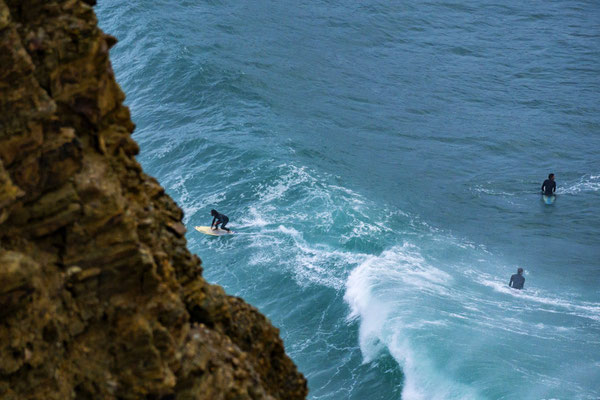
x=99 y=296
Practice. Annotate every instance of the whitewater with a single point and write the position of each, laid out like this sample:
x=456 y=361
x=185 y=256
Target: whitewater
x=381 y=164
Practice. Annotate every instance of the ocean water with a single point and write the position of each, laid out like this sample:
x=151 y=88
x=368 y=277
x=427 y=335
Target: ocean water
x=381 y=163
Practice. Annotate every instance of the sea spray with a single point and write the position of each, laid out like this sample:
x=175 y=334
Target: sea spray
x=377 y=292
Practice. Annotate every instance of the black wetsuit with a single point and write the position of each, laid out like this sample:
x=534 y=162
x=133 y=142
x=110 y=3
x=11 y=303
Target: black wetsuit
x=221 y=219
x=516 y=281
x=549 y=187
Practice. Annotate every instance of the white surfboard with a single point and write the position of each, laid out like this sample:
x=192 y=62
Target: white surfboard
x=212 y=232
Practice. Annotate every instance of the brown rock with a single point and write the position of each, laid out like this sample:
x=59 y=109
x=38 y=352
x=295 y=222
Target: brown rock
x=99 y=296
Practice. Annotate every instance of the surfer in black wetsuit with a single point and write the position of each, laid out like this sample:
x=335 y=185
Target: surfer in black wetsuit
x=549 y=186
x=517 y=280
x=219 y=219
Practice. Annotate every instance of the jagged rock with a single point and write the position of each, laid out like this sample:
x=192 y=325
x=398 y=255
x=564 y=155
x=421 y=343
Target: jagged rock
x=17 y=276
x=8 y=193
x=99 y=297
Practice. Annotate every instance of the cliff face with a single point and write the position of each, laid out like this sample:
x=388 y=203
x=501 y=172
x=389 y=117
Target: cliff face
x=99 y=297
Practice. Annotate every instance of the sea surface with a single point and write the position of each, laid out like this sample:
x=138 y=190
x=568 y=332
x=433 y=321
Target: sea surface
x=381 y=164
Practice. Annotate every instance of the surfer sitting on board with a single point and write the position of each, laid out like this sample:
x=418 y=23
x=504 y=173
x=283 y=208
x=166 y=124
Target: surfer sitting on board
x=220 y=219
x=549 y=186
x=517 y=280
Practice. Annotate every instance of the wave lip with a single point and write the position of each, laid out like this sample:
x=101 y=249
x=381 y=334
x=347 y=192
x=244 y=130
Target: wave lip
x=373 y=299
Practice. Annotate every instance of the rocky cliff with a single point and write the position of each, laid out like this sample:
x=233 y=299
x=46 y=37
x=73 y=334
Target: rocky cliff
x=99 y=297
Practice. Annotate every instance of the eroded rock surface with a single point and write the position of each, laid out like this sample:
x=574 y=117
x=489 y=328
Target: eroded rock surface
x=99 y=297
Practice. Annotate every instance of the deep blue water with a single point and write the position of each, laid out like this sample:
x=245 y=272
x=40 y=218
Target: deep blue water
x=381 y=163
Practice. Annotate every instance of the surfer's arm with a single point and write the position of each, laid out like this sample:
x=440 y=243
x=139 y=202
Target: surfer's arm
x=511 y=281
x=213 y=223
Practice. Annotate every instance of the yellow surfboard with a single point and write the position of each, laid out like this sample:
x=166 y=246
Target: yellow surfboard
x=212 y=232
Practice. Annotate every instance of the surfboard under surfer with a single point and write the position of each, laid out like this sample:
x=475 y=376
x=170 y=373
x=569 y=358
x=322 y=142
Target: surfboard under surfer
x=517 y=280
x=549 y=186
x=219 y=218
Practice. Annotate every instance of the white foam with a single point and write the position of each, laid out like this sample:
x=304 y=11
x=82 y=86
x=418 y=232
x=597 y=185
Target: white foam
x=362 y=229
x=587 y=183
x=319 y=263
x=491 y=192
x=424 y=324
x=310 y=263
x=581 y=309
x=381 y=327
x=294 y=177
x=253 y=218
x=459 y=316
x=260 y=258
x=189 y=204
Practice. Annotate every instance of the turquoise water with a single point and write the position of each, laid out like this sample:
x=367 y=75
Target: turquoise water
x=381 y=163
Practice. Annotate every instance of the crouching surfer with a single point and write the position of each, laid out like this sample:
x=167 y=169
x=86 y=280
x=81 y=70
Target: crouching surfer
x=517 y=280
x=219 y=219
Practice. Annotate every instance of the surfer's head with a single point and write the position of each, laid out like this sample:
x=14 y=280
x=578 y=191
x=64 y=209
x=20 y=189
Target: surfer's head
x=213 y=213
x=551 y=177
x=520 y=271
